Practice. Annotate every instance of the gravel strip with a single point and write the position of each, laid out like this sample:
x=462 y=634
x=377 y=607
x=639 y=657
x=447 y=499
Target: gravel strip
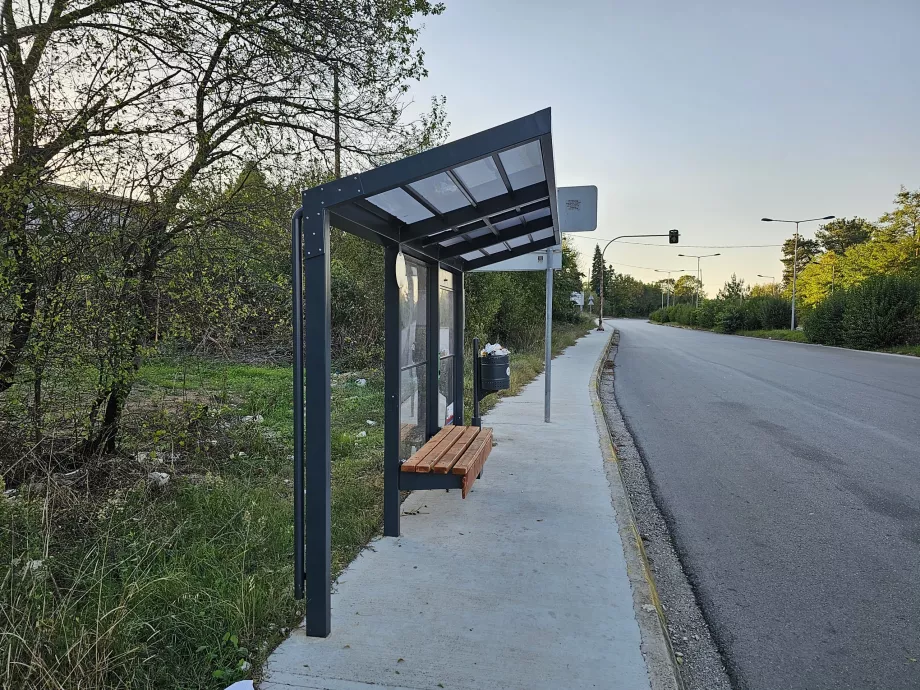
x=700 y=663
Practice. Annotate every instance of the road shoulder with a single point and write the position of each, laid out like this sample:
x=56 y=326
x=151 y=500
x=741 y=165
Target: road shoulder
x=676 y=640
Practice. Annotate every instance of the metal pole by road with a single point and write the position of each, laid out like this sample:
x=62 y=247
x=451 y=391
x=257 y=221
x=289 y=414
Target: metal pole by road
x=549 y=335
x=771 y=278
x=699 y=279
x=672 y=236
x=795 y=266
x=795 y=252
x=699 y=282
x=669 y=272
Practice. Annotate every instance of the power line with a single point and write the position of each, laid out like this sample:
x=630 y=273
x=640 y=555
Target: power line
x=691 y=246
x=710 y=246
x=646 y=268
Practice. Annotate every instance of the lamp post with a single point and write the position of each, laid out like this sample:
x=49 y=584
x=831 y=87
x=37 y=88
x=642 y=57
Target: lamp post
x=795 y=252
x=699 y=280
x=673 y=238
x=669 y=272
x=771 y=278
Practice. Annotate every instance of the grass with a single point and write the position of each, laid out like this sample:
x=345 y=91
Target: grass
x=109 y=582
x=798 y=337
x=188 y=586
x=777 y=334
x=906 y=350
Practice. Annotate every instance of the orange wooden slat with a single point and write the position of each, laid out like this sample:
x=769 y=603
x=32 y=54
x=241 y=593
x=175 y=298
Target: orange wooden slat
x=473 y=473
x=449 y=458
x=422 y=453
x=425 y=465
x=468 y=459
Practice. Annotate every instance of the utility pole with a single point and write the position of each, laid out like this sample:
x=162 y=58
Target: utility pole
x=795 y=253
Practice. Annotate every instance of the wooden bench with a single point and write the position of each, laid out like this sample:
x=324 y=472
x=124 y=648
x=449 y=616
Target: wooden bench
x=458 y=451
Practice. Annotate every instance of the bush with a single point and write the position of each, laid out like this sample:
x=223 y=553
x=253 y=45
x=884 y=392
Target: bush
x=824 y=324
x=706 y=313
x=660 y=315
x=769 y=312
x=881 y=312
x=730 y=319
x=682 y=314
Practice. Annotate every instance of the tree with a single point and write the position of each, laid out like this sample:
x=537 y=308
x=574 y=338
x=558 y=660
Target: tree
x=566 y=281
x=904 y=221
x=596 y=266
x=686 y=288
x=174 y=109
x=891 y=249
x=262 y=91
x=78 y=77
x=808 y=249
x=666 y=286
x=734 y=290
x=842 y=233
x=763 y=290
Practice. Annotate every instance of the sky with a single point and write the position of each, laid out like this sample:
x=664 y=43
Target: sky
x=701 y=116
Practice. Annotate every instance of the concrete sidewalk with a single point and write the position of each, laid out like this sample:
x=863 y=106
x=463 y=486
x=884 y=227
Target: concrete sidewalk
x=522 y=585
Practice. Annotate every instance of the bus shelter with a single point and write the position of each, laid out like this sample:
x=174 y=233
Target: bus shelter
x=440 y=214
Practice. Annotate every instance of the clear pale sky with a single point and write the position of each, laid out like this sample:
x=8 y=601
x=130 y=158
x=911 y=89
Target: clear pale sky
x=702 y=116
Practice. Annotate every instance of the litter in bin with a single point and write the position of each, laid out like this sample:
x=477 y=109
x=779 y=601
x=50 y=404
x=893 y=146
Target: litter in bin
x=494 y=349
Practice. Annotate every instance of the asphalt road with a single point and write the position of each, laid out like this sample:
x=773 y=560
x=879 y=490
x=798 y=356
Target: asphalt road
x=790 y=478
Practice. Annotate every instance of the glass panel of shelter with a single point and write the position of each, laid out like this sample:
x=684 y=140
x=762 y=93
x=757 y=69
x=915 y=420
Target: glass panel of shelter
x=413 y=360
x=446 y=332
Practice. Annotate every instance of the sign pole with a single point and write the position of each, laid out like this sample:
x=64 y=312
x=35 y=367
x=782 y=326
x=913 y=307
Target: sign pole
x=549 y=335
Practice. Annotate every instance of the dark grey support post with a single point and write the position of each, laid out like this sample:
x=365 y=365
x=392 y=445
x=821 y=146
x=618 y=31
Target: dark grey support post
x=432 y=347
x=391 y=422
x=316 y=353
x=297 y=321
x=459 y=324
x=477 y=394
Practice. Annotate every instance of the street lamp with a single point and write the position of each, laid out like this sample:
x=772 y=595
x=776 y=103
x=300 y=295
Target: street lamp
x=771 y=278
x=795 y=252
x=673 y=238
x=699 y=278
x=673 y=270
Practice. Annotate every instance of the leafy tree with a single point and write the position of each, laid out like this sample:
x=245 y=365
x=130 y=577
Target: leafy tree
x=904 y=220
x=566 y=281
x=807 y=251
x=842 y=233
x=734 y=290
x=686 y=287
x=209 y=87
x=763 y=290
x=78 y=82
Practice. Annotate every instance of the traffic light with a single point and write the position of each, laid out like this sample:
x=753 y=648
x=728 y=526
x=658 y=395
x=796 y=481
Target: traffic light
x=673 y=236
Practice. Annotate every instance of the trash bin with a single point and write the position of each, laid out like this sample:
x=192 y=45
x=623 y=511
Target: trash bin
x=495 y=372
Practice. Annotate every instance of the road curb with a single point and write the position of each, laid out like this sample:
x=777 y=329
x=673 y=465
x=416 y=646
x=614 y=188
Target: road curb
x=663 y=669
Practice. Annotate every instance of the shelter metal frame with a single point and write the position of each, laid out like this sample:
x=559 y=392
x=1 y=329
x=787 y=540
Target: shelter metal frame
x=461 y=206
